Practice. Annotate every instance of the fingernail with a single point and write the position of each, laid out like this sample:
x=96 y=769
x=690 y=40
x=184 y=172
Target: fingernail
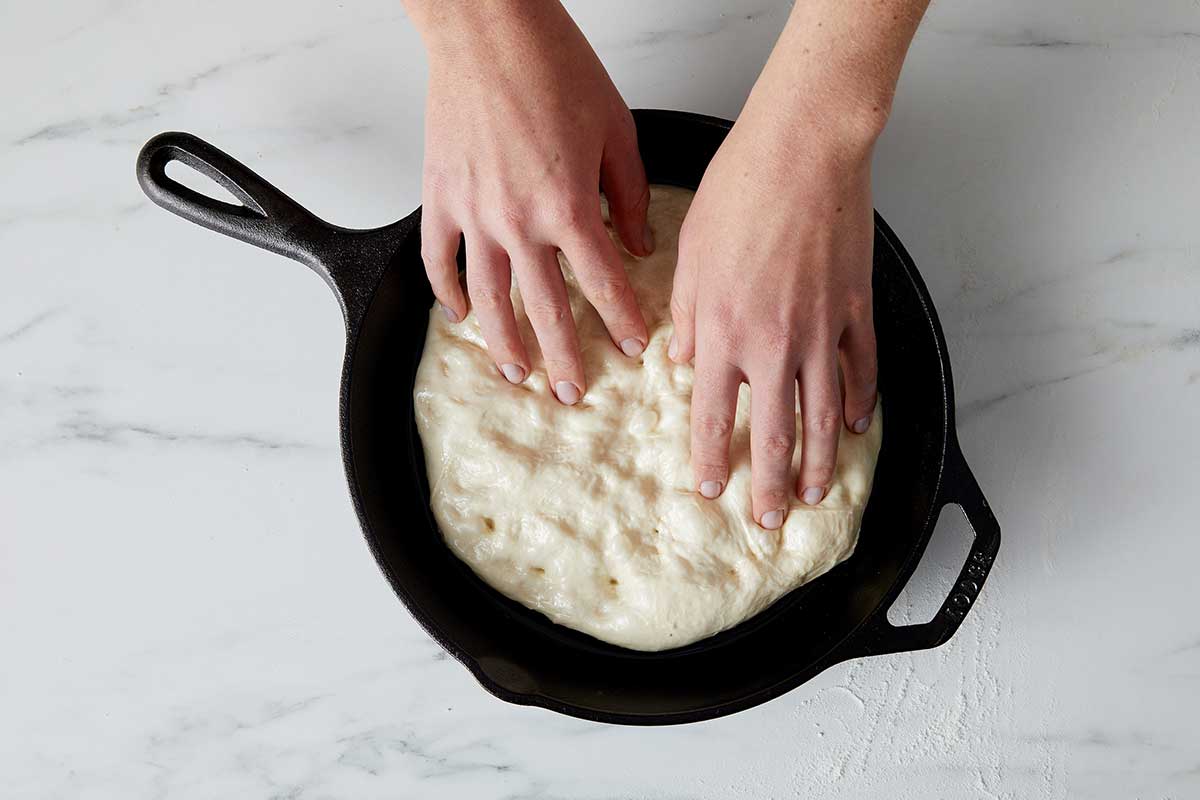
x=813 y=495
x=861 y=425
x=567 y=392
x=632 y=347
x=710 y=489
x=648 y=239
x=449 y=312
x=772 y=520
x=512 y=373
x=673 y=348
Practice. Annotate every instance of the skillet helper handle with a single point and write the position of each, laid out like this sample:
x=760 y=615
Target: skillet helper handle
x=266 y=217
x=961 y=488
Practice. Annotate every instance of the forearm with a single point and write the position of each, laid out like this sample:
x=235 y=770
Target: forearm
x=836 y=65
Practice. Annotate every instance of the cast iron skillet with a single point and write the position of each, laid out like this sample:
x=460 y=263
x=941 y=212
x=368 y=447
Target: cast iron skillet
x=517 y=654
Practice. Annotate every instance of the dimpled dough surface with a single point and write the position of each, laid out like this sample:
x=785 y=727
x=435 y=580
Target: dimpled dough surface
x=587 y=513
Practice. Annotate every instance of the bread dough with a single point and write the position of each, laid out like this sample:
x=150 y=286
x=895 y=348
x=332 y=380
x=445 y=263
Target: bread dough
x=587 y=513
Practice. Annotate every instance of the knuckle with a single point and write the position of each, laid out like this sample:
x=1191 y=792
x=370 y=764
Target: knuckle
x=821 y=336
x=511 y=221
x=679 y=309
x=633 y=198
x=778 y=446
x=435 y=265
x=867 y=376
x=431 y=255
x=610 y=291
x=777 y=342
x=861 y=372
x=713 y=427
x=722 y=328
x=643 y=200
x=437 y=257
x=568 y=214
x=824 y=422
x=488 y=298
x=858 y=306
x=546 y=312
x=435 y=183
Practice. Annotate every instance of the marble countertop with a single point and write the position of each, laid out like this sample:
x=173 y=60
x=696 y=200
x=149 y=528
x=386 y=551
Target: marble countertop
x=188 y=610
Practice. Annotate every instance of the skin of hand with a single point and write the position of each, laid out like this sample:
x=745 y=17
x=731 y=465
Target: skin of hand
x=773 y=284
x=523 y=129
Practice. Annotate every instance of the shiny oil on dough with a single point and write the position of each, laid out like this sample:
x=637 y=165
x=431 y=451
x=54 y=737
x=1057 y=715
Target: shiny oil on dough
x=587 y=513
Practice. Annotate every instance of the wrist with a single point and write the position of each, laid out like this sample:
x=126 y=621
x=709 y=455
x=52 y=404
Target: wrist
x=809 y=150
x=452 y=28
x=831 y=84
x=816 y=125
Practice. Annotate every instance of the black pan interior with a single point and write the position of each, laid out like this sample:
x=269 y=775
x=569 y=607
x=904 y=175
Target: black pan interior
x=523 y=657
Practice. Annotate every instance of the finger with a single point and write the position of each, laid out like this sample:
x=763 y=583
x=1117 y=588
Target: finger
x=821 y=410
x=440 y=238
x=714 y=409
x=545 y=295
x=772 y=444
x=601 y=275
x=682 y=348
x=860 y=369
x=623 y=178
x=489 y=281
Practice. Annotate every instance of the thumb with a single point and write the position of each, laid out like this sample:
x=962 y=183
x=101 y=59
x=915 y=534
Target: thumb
x=683 y=314
x=623 y=179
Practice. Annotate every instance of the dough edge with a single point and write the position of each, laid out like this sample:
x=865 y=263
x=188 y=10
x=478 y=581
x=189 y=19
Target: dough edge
x=587 y=513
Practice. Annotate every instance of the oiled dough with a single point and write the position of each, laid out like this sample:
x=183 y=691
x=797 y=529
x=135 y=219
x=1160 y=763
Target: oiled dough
x=587 y=513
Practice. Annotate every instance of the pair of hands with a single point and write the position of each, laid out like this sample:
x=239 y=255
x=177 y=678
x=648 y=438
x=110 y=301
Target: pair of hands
x=773 y=281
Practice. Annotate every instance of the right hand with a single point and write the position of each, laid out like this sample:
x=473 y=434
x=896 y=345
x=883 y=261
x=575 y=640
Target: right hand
x=523 y=125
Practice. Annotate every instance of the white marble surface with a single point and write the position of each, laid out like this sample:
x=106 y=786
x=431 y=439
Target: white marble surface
x=187 y=609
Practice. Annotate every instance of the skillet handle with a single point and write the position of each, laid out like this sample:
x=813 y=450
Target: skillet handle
x=959 y=487
x=266 y=218
x=350 y=261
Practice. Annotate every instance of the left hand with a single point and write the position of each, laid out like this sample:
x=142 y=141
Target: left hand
x=773 y=286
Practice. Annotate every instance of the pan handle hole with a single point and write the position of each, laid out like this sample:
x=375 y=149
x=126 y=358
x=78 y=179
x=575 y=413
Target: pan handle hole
x=933 y=580
x=182 y=173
